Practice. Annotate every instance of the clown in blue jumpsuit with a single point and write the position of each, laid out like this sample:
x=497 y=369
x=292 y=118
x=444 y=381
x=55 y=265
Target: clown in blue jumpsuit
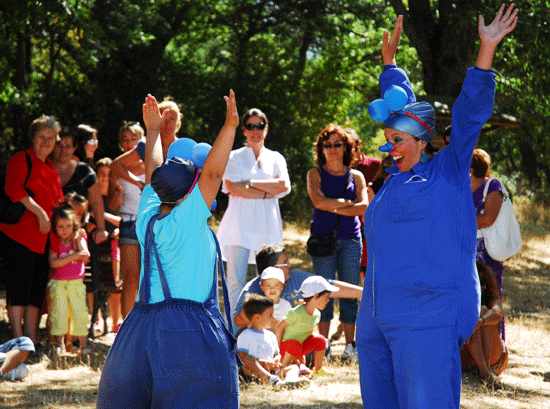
x=421 y=295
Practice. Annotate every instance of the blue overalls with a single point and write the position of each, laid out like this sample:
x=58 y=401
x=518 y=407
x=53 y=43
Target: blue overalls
x=421 y=292
x=176 y=353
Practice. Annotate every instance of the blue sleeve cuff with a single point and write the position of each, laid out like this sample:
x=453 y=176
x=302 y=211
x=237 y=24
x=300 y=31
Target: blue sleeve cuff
x=481 y=69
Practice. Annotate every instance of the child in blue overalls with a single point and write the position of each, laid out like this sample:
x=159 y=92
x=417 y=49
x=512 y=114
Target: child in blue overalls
x=174 y=350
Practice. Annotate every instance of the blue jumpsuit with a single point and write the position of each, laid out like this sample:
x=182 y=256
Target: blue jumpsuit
x=421 y=294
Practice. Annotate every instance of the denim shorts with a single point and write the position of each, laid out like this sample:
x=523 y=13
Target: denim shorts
x=127 y=233
x=21 y=344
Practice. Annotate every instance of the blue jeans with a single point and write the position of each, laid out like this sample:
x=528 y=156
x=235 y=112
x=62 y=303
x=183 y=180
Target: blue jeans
x=347 y=261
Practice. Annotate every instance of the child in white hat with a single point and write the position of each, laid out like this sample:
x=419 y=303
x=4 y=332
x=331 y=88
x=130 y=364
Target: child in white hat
x=272 y=284
x=295 y=331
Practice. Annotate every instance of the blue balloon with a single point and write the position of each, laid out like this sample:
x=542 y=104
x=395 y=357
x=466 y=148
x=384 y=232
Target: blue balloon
x=181 y=148
x=199 y=153
x=396 y=98
x=388 y=147
x=379 y=111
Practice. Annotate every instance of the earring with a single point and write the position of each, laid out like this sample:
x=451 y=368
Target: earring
x=423 y=158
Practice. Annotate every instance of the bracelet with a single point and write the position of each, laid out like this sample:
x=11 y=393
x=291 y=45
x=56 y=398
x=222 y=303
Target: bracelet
x=265 y=194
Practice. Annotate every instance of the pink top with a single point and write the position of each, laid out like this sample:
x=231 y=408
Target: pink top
x=71 y=271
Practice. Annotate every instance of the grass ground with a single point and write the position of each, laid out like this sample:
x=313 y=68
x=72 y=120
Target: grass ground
x=526 y=381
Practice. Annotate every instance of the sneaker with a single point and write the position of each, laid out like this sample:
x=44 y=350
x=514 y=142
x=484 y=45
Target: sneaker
x=350 y=353
x=278 y=385
x=60 y=350
x=16 y=374
x=304 y=370
x=322 y=371
x=294 y=383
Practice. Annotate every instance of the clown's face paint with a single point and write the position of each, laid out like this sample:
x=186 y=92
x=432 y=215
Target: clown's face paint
x=406 y=150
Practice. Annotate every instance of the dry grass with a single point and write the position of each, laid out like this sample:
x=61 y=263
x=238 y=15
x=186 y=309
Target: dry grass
x=526 y=301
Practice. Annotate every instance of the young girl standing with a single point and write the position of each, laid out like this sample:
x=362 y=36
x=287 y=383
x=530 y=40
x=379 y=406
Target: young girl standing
x=68 y=255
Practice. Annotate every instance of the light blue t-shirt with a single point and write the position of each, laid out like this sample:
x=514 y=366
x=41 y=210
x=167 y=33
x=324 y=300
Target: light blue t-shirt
x=186 y=247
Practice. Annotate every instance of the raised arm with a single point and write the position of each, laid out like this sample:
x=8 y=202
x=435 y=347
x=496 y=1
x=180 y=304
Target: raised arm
x=153 y=147
x=474 y=105
x=490 y=36
x=392 y=75
x=216 y=161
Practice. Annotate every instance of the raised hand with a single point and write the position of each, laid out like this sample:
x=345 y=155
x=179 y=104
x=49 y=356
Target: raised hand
x=151 y=114
x=232 y=116
x=503 y=24
x=492 y=34
x=389 y=44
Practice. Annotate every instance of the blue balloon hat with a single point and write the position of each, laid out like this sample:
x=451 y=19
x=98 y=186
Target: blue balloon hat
x=181 y=148
x=199 y=152
x=395 y=98
x=379 y=110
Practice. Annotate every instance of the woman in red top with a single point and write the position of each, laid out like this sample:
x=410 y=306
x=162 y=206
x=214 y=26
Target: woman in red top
x=23 y=248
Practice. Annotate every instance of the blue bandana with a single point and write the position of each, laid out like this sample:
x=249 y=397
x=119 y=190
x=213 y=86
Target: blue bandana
x=417 y=119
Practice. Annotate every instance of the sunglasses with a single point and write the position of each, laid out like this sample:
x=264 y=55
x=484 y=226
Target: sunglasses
x=92 y=142
x=259 y=126
x=281 y=265
x=330 y=145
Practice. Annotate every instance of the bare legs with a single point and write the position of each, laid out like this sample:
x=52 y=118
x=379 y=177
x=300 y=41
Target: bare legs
x=30 y=314
x=131 y=263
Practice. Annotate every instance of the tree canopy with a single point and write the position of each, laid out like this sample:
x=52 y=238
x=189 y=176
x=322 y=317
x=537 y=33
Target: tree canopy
x=305 y=63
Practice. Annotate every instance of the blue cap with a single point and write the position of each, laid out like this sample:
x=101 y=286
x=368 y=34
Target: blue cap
x=417 y=119
x=174 y=179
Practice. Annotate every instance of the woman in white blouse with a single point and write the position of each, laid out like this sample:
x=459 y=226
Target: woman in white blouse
x=255 y=179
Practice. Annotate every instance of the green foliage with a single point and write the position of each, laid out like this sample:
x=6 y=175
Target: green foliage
x=305 y=63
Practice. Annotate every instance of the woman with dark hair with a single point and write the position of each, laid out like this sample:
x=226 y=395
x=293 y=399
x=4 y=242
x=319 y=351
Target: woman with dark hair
x=87 y=141
x=255 y=179
x=339 y=197
x=485 y=349
x=423 y=297
x=23 y=245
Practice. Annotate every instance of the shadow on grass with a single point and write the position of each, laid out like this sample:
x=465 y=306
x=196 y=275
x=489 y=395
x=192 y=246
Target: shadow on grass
x=311 y=404
x=49 y=396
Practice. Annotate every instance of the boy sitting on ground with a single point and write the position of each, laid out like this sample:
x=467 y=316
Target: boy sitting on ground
x=258 y=349
x=273 y=284
x=12 y=355
x=295 y=331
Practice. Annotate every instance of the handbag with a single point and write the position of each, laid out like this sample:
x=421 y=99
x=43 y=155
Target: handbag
x=324 y=245
x=503 y=237
x=10 y=212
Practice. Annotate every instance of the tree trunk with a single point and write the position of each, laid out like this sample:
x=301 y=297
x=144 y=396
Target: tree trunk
x=446 y=46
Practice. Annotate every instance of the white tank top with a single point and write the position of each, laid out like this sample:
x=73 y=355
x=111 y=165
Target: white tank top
x=130 y=196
